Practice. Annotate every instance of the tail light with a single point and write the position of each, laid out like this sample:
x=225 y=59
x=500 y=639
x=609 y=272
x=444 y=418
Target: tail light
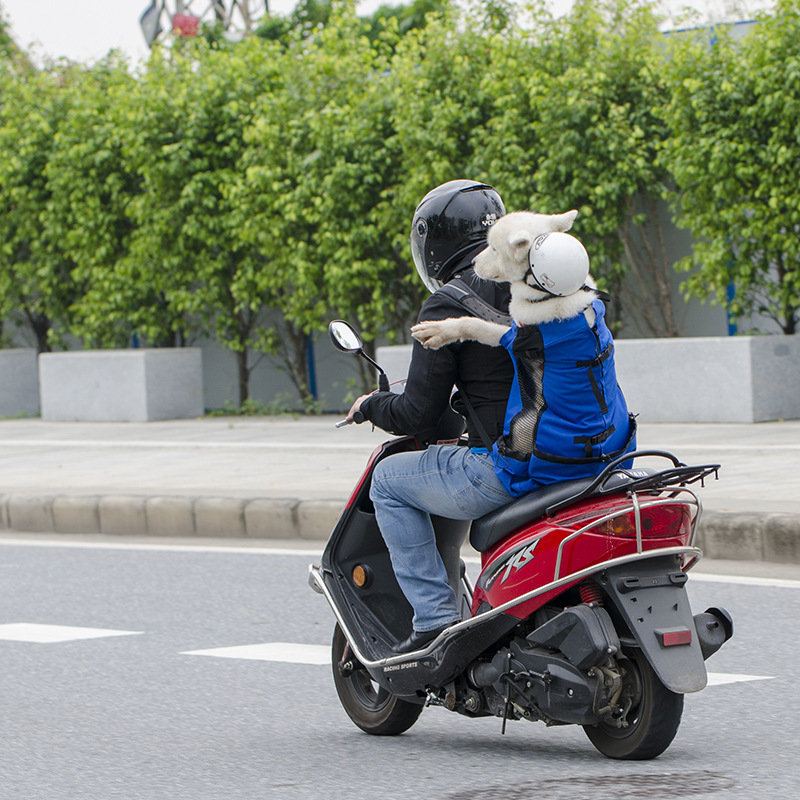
x=666 y=521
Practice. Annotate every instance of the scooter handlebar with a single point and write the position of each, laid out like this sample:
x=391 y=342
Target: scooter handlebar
x=358 y=418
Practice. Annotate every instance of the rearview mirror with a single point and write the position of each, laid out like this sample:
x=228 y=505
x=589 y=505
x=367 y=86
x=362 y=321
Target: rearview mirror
x=345 y=337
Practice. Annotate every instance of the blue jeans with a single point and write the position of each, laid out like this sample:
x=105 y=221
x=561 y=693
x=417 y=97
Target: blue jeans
x=446 y=480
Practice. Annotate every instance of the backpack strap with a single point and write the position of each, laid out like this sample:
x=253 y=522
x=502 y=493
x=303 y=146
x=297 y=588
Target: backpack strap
x=464 y=296
x=458 y=400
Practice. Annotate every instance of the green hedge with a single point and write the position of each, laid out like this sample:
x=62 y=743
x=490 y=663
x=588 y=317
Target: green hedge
x=220 y=185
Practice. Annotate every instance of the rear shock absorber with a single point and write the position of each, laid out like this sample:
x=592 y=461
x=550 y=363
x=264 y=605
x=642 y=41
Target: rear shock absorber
x=590 y=593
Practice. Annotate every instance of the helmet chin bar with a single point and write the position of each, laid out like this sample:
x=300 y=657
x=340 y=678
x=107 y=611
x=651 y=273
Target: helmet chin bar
x=431 y=284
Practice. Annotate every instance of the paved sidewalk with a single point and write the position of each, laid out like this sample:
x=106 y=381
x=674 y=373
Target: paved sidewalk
x=223 y=466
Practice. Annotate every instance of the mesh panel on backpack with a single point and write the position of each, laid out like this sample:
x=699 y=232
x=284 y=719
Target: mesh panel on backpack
x=529 y=356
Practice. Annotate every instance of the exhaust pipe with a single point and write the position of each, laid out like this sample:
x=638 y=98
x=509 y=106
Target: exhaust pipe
x=714 y=628
x=484 y=673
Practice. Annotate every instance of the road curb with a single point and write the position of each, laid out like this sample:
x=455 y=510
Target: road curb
x=133 y=515
x=740 y=536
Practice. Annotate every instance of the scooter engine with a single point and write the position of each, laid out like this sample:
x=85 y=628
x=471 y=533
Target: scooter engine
x=565 y=671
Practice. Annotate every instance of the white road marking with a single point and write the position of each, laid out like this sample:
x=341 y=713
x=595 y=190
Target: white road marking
x=163 y=548
x=720 y=678
x=288 y=653
x=285 y=652
x=743 y=580
x=316 y=552
x=50 y=634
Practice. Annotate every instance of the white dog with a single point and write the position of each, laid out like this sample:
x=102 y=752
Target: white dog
x=506 y=260
x=566 y=415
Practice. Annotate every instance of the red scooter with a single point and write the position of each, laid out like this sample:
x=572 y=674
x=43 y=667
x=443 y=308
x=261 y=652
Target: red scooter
x=579 y=616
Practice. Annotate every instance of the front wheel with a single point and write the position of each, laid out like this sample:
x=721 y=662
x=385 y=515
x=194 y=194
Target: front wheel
x=654 y=716
x=374 y=709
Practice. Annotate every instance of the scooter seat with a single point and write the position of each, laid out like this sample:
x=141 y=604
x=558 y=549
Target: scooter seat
x=491 y=528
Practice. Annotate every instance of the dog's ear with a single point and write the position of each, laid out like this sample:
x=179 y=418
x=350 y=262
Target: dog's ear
x=519 y=242
x=563 y=222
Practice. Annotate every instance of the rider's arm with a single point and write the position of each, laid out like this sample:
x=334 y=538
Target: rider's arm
x=431 y=378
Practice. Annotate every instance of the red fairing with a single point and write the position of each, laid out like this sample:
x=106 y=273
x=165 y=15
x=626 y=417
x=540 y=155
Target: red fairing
x=377 y=453
x=367 y=472
x=526 y=560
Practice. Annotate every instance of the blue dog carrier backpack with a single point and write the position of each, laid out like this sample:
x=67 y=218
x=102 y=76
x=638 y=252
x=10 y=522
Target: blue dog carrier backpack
x=566 y=415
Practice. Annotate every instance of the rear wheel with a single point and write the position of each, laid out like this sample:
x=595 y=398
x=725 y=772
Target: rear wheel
x=653 y=718
x=374 y=709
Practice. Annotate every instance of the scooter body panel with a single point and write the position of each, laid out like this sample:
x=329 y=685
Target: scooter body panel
x=548 y=550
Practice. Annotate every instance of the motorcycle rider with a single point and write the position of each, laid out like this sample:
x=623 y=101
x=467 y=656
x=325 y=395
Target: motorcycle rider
x=449 y=229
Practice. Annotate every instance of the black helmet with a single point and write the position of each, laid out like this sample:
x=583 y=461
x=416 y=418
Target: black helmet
x=450 y=221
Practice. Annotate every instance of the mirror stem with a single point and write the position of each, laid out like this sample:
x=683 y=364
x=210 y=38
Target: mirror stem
x=383 y=380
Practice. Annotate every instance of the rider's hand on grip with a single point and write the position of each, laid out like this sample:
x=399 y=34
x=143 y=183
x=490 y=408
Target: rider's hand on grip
x=357 y=417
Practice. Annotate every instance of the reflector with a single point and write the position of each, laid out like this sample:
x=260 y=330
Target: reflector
x=671 y=637
x=360 y=576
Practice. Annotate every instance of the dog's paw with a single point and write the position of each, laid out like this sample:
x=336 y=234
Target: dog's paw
x=434 y=335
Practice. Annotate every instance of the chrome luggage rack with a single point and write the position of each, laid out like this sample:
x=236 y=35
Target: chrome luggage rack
x=679 y=475
x=674 y=481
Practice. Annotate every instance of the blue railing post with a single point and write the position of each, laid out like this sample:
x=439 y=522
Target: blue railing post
x=730 y=294
x=312 y=367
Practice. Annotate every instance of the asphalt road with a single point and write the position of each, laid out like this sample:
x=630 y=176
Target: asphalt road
x=134 y=715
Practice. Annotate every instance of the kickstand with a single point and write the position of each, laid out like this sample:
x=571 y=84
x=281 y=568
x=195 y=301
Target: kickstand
x=507 y=706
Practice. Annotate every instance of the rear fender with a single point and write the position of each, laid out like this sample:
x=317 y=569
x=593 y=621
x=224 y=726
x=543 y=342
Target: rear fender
x=651 y=598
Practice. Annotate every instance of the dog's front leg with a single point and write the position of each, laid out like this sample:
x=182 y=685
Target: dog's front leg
x=437 y=334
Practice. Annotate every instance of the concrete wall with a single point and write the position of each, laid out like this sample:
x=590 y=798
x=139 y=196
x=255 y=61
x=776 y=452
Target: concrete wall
x=19 y=383
x=121 y=385
x=711 y=379
x=693 y=317
x=337 y=378
x=775 y=368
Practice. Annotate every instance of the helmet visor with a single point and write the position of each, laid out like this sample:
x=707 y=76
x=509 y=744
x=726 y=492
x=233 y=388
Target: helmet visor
x=418 y=255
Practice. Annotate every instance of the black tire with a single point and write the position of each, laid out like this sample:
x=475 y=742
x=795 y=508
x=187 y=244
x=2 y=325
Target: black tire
x=654 y=717
x=372 y=708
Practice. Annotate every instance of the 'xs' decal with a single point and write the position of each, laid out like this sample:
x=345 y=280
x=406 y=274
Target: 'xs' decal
x=519 y=560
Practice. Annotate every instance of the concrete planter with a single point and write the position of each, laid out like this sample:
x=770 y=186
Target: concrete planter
x=704 y=379
x=19 y=386
x=121 y=385
x=711 y=379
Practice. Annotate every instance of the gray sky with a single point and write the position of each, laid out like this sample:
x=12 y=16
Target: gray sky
x=85 y=30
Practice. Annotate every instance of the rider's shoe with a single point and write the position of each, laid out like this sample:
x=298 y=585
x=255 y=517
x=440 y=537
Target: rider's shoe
x=419 y=639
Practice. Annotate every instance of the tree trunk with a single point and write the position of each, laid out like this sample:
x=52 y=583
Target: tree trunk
x=294 y=361
x=42 y=341
x=648 y=288
x=243 y=370
x=40 y=325
x=789 y=309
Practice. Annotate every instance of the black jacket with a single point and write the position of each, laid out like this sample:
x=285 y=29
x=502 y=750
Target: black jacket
x=483 y=373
